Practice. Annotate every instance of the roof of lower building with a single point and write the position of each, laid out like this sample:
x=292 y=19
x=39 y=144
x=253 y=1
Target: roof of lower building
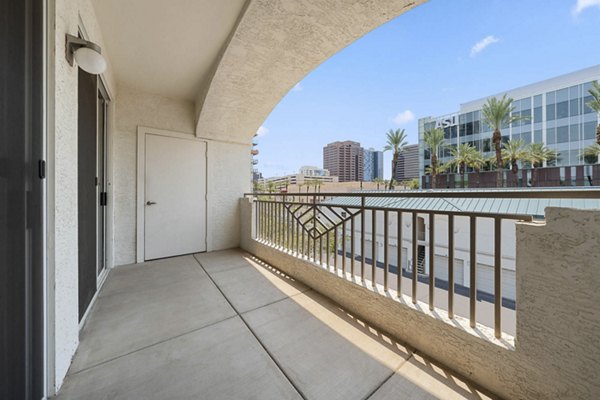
x=532 y=207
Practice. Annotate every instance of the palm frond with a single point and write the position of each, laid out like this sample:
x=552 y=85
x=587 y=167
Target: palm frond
x=594 y=91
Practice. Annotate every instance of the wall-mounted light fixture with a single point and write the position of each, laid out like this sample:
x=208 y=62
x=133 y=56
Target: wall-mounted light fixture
x=87 y=54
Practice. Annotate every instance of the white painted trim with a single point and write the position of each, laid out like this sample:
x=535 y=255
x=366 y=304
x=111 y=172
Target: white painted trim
x=142 y=131
x=49 y=202
x=99 y=284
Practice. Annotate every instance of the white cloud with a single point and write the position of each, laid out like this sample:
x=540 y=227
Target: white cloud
x=262 y=131
x=404 y=117
x=583 y=4
x=297 y=87
x=482 y=44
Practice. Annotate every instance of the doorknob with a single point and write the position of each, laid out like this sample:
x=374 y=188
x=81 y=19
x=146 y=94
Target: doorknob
x=150 y=203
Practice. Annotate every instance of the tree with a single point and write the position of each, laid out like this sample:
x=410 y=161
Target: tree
x=513 y=152
x=477 y=162
x=434 y=139
x=537 y=154
x=271 y=187
x=258 y=187
x=594 y=104
x=396 y=142
x=464 y=155
x=497 y=114
x=378 y=181
x=591 y=153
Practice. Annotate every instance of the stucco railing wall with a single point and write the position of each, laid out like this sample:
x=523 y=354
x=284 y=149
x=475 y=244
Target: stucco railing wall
x=556 y=354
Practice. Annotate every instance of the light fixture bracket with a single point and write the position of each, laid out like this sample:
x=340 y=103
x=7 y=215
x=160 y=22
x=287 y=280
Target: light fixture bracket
x=73 y=43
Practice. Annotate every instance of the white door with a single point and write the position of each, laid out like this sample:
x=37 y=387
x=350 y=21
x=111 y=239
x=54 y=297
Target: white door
x=175 y=196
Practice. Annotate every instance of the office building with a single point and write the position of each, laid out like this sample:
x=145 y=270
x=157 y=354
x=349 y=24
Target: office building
x=408 y=164
x=373 y=165
x=554 y=110
x=310 y=171
x=344 y=160
x=300 y=179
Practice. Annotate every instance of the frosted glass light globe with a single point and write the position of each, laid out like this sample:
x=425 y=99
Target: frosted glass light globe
x=90 y=60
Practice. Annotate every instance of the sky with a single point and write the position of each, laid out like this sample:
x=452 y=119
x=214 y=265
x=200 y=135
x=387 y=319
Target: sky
x=426 y=62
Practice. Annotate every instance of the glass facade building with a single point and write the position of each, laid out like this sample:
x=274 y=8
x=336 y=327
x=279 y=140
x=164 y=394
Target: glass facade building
x=373 y=164
x=554 y=112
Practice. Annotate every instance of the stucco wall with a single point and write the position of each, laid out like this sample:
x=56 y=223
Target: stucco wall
x=133 y=109
x=62 y=175
x=227 y=178
x=556 y=353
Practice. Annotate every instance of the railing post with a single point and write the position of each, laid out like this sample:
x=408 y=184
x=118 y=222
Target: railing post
x=451 y=266
x=374 y=248
x=386 y=261
x=362 y=238
x=415 y=258
x=283 y=223
x=314 y=241
x=399 y=255
x=321 y=249
x=344 y=247
x=497 y=276
x=473 y=272
x=255 y=201
x=431 y=259
x=352 y=250
x=335 y=246
x=327 y=247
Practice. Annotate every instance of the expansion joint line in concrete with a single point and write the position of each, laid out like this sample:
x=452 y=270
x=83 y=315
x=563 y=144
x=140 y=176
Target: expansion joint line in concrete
x=253 y=333
x=368 y=396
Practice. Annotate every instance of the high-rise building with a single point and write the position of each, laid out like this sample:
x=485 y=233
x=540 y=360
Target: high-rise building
x=373 y=168
x=408 y=164
x=344 y=160
x=555 y=113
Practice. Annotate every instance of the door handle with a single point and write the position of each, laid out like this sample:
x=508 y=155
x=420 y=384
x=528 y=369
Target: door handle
x=150 y=203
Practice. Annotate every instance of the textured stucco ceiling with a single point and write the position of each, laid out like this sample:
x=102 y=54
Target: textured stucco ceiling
x=277 y=43
x=166 y=47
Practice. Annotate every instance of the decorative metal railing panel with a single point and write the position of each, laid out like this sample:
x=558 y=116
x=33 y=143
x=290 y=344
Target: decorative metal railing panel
x=333 y=230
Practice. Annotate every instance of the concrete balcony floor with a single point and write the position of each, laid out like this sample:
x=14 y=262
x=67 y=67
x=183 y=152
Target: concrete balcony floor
x=224 y=325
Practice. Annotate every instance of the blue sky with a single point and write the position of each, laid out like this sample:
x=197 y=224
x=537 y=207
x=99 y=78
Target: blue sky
x=426 y=62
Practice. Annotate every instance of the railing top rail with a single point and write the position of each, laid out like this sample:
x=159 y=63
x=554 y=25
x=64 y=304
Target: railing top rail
x=521 y=193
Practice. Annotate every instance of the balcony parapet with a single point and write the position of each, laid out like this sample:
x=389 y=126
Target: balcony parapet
x=556 y=354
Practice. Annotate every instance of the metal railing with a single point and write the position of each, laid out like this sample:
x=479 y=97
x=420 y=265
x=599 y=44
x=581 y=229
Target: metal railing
x=314 y=226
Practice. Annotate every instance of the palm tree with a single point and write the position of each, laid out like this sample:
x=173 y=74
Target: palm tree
x=498 y=114
x=464 y=156
x=378 y=181
x=434 y=139
x=591 y=153
x=537 y=154
x=594 y=104
x=477 y=162
x=271 y=187
x=513 y=152
x=396 y=141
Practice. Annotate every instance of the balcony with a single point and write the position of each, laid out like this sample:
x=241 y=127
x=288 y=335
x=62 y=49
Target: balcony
x=287 y=319
x=225 y=325
x=516 y=349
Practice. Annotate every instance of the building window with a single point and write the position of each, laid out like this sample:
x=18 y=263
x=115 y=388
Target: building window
x=574 y=133
x=562 y=134
x=589 y=130
x=551 y=136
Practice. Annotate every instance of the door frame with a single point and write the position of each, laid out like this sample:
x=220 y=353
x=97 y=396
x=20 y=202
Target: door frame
x=142 y=131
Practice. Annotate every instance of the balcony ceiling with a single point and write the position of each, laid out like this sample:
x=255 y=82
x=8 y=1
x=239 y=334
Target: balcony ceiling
x=276 y=44
x=165 y=48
